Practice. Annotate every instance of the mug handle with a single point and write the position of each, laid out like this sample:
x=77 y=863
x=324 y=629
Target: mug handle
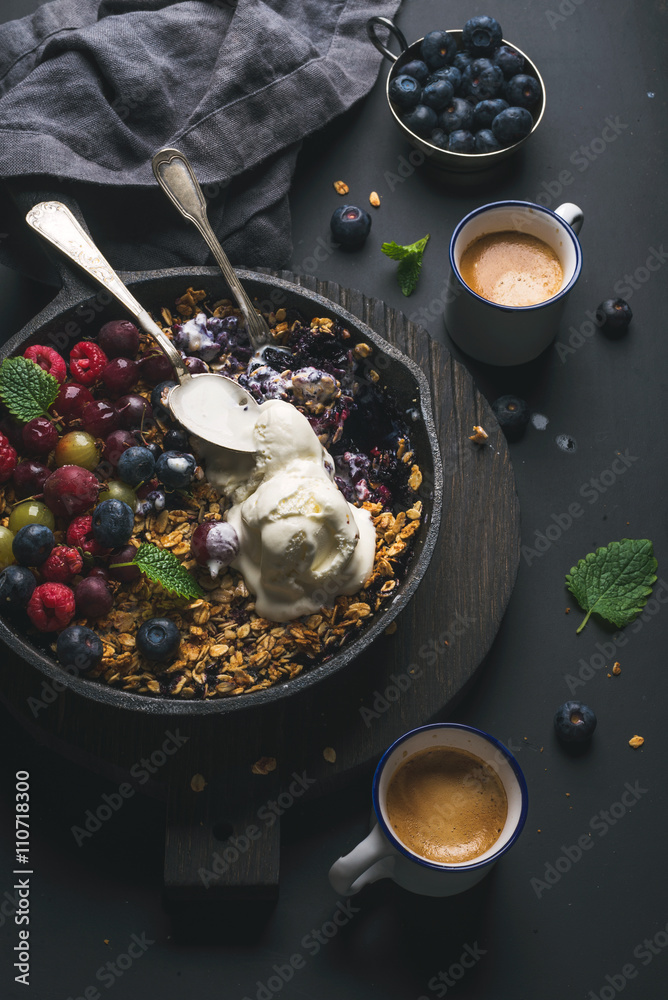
x=392 y=28
x=370 y=861
x=571 y=214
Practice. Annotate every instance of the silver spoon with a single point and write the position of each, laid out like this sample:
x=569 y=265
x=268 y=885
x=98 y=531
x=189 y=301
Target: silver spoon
x=229 y=414
x=176 y=177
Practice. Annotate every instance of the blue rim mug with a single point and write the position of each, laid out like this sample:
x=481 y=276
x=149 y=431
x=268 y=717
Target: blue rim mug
x=511 y=335
x=383 y=855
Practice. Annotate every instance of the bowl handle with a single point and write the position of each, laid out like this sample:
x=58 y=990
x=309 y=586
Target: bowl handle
x=392 y=28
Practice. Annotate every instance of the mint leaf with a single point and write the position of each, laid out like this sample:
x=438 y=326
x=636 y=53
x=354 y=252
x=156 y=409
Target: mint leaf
x=162 y=566
x=408 y=272
x=395 y=250
x=614 y=581
x=410 y=262
x=26 y=389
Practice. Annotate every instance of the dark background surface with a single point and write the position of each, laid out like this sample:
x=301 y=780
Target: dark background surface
x=573 y=939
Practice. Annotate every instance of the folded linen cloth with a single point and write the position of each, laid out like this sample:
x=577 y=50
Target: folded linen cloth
x=91 y=89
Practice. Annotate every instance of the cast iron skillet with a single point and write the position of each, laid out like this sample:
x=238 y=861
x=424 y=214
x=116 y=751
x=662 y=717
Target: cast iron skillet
x=80 y=309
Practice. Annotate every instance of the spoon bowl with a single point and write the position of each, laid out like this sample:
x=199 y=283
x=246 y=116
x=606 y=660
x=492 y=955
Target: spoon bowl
x=228 y=416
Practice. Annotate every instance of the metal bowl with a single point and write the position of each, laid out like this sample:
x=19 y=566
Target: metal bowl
x=77 y=312
x=442 y=158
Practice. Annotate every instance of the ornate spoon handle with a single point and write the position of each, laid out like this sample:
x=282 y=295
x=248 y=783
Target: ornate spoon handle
x=55 y=223
x=175 y=176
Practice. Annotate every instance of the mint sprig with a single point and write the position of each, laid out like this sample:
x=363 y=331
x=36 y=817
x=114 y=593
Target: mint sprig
x=26 y=389
x=162 y=566
x=614 y=581
x=410 y=262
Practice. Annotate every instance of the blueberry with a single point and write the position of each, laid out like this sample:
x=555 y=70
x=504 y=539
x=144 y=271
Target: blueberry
x=439 y=138
x=511 y=125
x=484 y=141
x=523 y=91
x=16 y=585
x=512 y=414
x=614 y=316
x=175 y=469
x=421 y=120
x=481 y=35
x=574 y=722
x=158 y=638
x=176 y=439
x=437 y=95
x=417 y=69
x=485 y=112
x=509 y=60
x=80 y=647
x=136 y=465
x=405 y=91
x=462 y=59
x=113 y=522
x=32 y=544
x=481 y=80
x=350 y=225
x=449 y=73
x=438 y=49
x=160 y=411
x=457 y=115
x=461 y=141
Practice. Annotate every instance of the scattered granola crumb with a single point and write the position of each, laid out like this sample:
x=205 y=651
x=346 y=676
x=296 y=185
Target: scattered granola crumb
x=636 y=741
x=264 y=765
x=567 y=611
x=479 y=436
x=329 y=753
x=616 y=668
x=198 y=783
x=374 y=199
x=539 y=831
x=609 y=675
x=568 y=795
x=106 y=940
x=341 y=187
x=391 y=628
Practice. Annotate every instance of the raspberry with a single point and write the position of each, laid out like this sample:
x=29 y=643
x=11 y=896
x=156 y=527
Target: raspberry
x=62 y=565
x=51 y=607
x=8 y=460
x=87 y=361
x=48 y=359
x=80 y=535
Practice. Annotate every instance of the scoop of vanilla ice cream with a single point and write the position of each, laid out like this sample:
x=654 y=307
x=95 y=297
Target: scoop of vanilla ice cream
x=301 y=542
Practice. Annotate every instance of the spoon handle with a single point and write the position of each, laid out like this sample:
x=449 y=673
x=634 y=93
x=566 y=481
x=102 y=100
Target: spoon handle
x=176 y=177
x=54 y=221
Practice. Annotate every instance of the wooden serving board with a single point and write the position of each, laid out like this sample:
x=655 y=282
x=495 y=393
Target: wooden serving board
x=402 y=681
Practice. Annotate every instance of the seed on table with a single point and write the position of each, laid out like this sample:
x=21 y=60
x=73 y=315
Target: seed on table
x=341 y=187
x=374 y=199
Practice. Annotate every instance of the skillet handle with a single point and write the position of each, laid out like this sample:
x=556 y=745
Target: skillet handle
x=385 y=22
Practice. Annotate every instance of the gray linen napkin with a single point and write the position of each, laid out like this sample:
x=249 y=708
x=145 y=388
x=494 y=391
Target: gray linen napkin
x=90 y=90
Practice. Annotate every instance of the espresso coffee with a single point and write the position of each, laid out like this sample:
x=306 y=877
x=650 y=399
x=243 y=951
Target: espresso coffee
x=446 y=805
x=512 y=268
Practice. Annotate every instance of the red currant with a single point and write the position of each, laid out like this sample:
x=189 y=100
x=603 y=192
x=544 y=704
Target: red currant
x=71 y=399
x=156 y=367
x=100 y=418
x=51 y=607
x=119 y=338
x=120 y=375
x=93 y=597
x=39 y=436
x=29 y=478
x=48 y=359
x=62 y=564
x=115 y=444
x=87 y=362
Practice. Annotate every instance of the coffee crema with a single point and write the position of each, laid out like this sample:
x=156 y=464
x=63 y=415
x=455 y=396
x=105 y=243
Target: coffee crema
x=446 y=805
x=512 y=268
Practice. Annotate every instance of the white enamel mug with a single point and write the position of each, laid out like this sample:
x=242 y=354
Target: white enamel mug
x=383 y=855
x=511 y=335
